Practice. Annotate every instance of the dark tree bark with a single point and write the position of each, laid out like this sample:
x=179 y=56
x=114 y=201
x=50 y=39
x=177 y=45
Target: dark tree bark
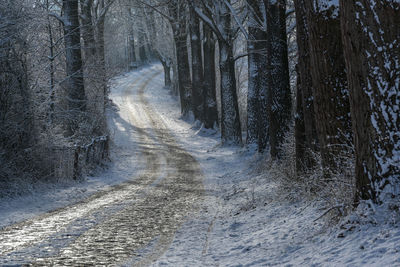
x=371 y=34
x=230 y=122
x=100 y=50
x=305 y=131
x=210 y=102
x=167 y=74
x=299 y=132
x=51 y=65
x=131 y=46
x=74 y=81
x=231 y=132
x=220 y=21
x=328 y=71
x=166 y=63
x=177 y=10
x=151 y=32
x=279 y=95
x=257 y=116
x=142 y=47
x=197 y=67
x=87 y=28
x=16 y=120
x=132 y=52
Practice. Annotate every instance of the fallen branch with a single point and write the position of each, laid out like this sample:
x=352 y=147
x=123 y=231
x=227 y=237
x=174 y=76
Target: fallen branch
x=328 y=210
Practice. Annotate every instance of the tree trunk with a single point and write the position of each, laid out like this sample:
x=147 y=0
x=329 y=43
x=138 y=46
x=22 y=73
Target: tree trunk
x=257 y=117
x=142 y=47
x=177 y=11
x=101 y=58
x=184 y=82
x=167 y=72
x=231 y=132
x=131 y=43
x=132 y=52
x=51 y=66
x=197 y=67
x=210 y=103
x=230 y=122
x=151 y=32
x=175 y=79
x=88 y=29
x=74 y=81
x=279 y=95
x=371 y=34
x=328 y=71
x=305 y=131
x=299 y=132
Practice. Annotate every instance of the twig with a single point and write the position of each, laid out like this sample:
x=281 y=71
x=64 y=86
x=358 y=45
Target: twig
x=327 y=211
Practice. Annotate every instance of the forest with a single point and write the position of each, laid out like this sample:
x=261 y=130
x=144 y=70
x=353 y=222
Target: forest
x=225 y=106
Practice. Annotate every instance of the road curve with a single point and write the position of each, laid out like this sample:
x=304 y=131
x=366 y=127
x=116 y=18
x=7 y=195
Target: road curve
x=131 y=224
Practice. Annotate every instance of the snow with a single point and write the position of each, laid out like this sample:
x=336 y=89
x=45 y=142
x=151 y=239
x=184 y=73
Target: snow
x=47 y=197
x=247 y=217
x=326 y=5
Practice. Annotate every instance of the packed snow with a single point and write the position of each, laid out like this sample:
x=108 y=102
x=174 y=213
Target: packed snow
x=247 y=217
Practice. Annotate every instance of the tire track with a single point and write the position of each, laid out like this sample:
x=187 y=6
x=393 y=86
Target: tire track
x=151 y=209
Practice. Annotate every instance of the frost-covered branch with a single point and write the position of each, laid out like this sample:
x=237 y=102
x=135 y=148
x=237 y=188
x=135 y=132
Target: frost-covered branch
x=236 y=17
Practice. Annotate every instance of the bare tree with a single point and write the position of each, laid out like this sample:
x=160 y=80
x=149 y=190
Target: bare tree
x=210 y=102
x=219 y=18
x=75 y=85
x=15 y=96
x=197 y=66
x=178 y=19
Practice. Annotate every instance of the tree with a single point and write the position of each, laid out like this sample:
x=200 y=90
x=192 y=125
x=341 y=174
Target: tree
x=88 y=35
x=15 y=97
x=305 y=131
x=74 y=81
x=163 y=47
x=101 y=9
x=371 y=35
x=257 y=115
x=142 y=46
x=177 y=17
x=269 y=96
x=329 y=81
x=210 y=102
x=51 y=57
x=279 y=96
x=219 y=19
x=197 y=66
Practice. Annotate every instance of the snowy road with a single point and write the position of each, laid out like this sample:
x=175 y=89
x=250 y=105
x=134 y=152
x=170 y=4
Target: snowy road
x=129 y=224
x=161 y=205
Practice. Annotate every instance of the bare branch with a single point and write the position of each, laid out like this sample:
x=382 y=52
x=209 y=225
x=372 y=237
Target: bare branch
x=235 y=16
x=58 y=17
x=157 y=10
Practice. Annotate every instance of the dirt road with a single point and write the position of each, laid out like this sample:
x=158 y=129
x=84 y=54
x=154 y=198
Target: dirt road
x=129 y=224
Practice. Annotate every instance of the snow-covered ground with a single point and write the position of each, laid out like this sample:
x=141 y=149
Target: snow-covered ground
x=246 y=218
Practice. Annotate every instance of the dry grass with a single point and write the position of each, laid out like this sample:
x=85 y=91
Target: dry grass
x=335 y=195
